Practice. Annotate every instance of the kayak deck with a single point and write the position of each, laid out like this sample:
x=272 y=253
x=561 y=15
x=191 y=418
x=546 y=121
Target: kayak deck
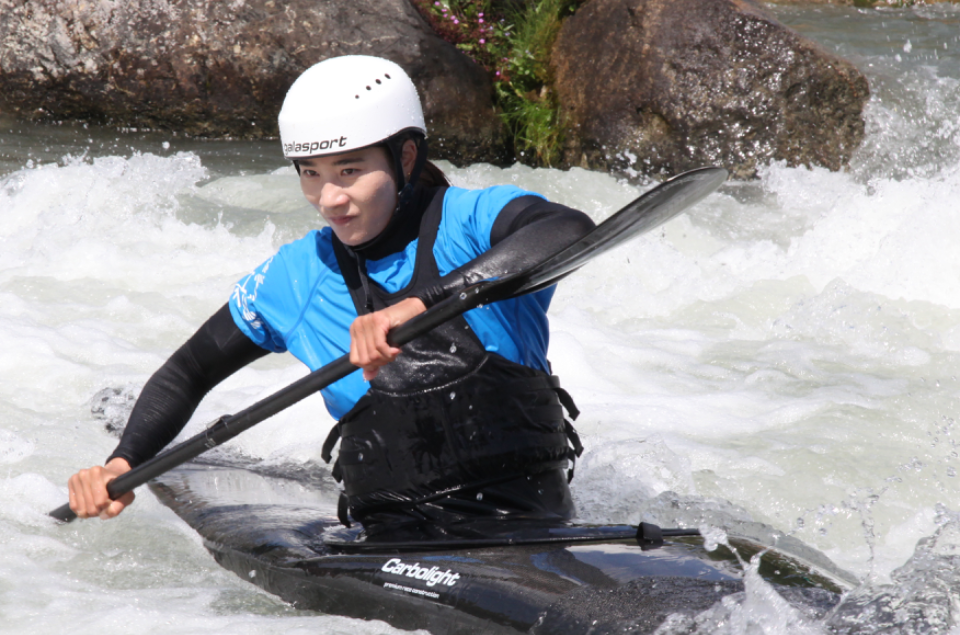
x=278 y=533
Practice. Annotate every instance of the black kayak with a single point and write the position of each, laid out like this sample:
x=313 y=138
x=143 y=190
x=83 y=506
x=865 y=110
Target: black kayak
x=280 y=532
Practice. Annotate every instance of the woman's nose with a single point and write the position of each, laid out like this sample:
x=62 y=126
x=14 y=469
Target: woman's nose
x=332 y=196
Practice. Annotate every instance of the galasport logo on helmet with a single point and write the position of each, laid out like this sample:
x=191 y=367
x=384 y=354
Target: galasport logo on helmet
x=314 y=146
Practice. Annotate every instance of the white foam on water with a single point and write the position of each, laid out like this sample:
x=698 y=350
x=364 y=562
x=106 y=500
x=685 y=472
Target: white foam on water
x=723 y=356
x=759 y=610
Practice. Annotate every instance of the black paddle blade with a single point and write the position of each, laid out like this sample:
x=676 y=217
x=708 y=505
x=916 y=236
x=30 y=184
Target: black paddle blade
x=63 y=513
x=650 y=210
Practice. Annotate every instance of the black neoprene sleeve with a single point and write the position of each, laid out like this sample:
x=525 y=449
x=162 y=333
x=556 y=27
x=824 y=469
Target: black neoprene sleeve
x=216 y=351
x=527 y=231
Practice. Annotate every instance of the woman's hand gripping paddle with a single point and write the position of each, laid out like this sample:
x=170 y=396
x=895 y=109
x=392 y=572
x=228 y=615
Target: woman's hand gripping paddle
x=650 y=210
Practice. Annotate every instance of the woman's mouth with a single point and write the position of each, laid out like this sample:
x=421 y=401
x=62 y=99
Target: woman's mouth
x=340 y=220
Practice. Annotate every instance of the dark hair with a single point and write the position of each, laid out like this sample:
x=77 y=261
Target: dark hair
x=432 y=176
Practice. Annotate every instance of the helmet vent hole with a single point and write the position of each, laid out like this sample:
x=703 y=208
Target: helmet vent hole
x=379 y=82
x=357 y=96
x=387 y=76
x=368 y=88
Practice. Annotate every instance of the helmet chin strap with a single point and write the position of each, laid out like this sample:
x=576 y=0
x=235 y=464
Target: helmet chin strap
x=406 y=189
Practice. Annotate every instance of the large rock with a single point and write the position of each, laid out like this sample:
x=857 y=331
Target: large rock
x=222 y=67
x=662 y=86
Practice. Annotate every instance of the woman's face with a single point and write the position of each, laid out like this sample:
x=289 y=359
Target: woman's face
x=355 y=191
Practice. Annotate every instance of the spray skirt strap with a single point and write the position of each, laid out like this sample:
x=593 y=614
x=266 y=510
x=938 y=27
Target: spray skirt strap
x=326 y=453
x=564 y=397
x=343 y=511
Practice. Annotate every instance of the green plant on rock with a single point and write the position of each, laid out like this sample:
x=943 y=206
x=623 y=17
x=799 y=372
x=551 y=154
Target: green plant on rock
x=512 y=40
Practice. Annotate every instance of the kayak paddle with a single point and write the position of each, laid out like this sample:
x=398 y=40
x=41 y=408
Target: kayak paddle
x=648 y=211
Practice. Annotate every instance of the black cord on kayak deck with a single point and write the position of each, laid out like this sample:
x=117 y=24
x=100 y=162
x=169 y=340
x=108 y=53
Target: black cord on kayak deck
x=649 y=536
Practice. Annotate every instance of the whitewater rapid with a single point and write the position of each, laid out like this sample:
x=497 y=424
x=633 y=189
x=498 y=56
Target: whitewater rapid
x=787 y=352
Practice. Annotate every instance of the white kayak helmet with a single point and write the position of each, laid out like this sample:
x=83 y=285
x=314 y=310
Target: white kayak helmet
x=347 y=103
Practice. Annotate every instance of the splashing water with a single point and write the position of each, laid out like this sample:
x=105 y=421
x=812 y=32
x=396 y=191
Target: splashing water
x=782 y=362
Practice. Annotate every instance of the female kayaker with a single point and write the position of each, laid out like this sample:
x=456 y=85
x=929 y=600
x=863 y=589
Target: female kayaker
x=467 y=421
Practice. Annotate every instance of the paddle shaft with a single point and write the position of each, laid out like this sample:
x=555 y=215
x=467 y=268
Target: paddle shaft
x=229 y=426
x=650 y=210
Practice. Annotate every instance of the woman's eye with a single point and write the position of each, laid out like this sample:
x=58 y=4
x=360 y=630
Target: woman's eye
x=348 y=171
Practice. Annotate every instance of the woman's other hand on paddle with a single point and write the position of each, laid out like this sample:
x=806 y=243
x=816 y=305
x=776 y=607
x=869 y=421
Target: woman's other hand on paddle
x=368 y=335
x=88 y=491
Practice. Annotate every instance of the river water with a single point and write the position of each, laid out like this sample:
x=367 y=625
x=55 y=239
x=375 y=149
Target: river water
x=788 y=352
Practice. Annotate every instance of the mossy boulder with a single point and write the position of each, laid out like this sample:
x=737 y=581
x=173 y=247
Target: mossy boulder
x=662 y=86
x=222 y=69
